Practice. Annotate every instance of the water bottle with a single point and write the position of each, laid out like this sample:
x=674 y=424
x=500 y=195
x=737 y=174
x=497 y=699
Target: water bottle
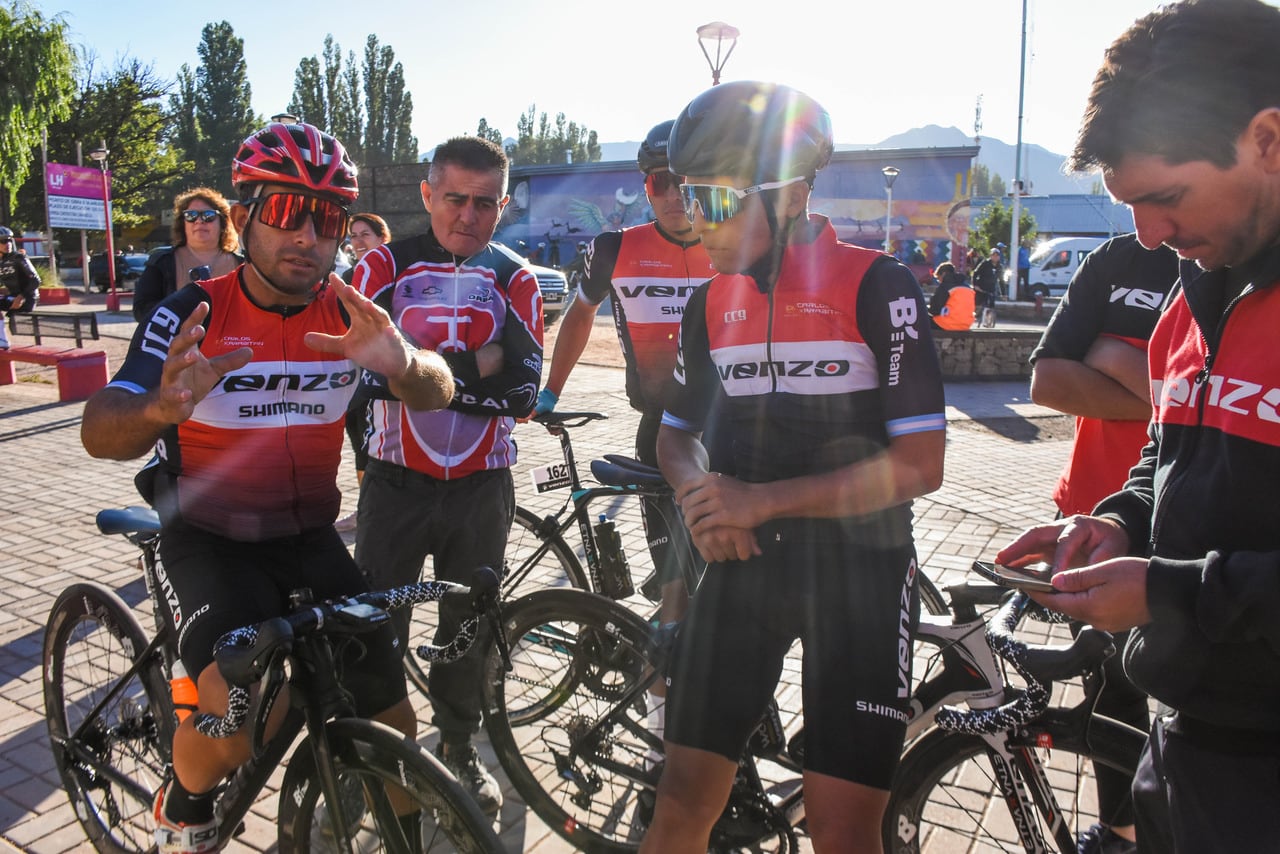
x=183 y=688
x=615 y=574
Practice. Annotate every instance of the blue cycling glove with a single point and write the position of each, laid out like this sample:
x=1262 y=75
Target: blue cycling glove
x=547 y=400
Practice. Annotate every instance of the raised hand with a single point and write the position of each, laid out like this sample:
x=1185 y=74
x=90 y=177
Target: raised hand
x=189 y=374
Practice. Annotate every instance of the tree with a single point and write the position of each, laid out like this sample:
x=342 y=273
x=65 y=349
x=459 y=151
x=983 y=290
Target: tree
x=988 y=183
x=213 y=108
x=37 y=66
x=485 y=132
x=123 y=107
x=994 y=225
x=538 y=142
x=328 y=94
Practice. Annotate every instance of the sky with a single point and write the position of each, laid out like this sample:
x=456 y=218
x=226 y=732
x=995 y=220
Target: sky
x=879 y=68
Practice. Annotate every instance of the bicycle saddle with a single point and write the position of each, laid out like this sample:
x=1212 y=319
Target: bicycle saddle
x=129 y=520
x=617 y=470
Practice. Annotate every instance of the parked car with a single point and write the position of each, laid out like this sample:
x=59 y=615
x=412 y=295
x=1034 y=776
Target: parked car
x=555 y=292
x=1054 y=262
x=100 y=275
x=137 y=262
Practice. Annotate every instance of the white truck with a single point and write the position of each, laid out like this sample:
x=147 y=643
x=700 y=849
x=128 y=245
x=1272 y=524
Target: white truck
x=1054 y=262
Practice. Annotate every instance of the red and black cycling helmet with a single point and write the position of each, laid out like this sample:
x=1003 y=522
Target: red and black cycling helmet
x=298 y=155
x=756 y=131
x=652 y=155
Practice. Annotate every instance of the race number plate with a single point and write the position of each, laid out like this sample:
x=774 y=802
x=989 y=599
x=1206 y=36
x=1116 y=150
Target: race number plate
x=554 y=476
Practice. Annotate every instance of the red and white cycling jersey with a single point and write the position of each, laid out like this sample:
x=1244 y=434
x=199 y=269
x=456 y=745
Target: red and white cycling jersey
x=650 y=276
x=456 y=306
x=259 y=456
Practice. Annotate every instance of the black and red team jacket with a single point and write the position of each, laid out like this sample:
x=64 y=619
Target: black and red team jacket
x=1204 y=502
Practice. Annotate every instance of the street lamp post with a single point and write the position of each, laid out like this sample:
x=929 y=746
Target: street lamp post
x=719 y=32
x=100 y=156
x=890 y=175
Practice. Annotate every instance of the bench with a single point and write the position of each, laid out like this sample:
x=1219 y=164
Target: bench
x=55 y=324
x=80 y=372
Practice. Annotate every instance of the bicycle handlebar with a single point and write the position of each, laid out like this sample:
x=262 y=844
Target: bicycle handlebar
x=251 y=654
x=1040 y=666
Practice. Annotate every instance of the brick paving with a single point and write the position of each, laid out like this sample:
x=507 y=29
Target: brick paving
x=1003 y=455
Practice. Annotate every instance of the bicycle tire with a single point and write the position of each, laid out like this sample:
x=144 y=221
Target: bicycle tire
x=932 y=599
x=112 y=769
x=944 y=796
x=574 y=655
x=366 y=757
x=533 y=562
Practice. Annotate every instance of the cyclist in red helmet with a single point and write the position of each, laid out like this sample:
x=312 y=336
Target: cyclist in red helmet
x=832 y=417
x=240 y=383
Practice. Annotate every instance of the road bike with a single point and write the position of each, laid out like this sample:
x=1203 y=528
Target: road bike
x=538 y=554
x=111 y=718
x=988 y=761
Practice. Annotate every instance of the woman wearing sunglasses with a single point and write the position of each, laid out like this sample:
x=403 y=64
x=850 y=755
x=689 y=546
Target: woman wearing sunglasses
x=831 y=411
x=204 y=246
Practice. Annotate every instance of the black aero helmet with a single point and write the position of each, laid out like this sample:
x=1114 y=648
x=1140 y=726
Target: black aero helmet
x=652 y=155
x=757 y=131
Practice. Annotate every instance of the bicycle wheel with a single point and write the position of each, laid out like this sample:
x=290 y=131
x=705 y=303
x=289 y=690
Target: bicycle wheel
x=367 y=757
x=111 y=761
x=945 y=796
x=569 y=722
x=932 y=599
x=533 y=562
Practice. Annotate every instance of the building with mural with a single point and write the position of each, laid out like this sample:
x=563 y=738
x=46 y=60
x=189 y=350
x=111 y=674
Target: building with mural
x=557 y=206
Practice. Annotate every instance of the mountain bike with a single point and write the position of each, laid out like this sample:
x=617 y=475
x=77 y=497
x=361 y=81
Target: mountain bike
x=111 y=720
x=569 y=724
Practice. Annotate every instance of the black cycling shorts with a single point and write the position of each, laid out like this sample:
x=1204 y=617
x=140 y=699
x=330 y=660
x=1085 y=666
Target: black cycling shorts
x=854 y=610
x=210 y=585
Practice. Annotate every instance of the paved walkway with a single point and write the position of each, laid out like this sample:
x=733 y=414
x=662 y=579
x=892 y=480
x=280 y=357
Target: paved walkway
x=1000 y=471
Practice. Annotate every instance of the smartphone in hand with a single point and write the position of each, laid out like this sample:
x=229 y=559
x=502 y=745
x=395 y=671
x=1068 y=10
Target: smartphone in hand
x=1036 y=578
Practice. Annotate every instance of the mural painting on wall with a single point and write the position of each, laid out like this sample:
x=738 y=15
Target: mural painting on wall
x=550 y=213
x=557 y=211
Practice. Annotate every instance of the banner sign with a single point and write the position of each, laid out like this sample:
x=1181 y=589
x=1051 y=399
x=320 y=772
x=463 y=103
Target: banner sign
x=75 y=197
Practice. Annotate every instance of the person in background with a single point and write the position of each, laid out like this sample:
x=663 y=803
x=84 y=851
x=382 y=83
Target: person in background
x=204 y=247
x=986 y=282
x=1024 y=269
x=951 y=306
x=1183 y=120
x=1092 y=363
x=808 y=533
x=440 y=483
x=648 y=271
x=246 y=475
x=19 y=282
x=367 y=231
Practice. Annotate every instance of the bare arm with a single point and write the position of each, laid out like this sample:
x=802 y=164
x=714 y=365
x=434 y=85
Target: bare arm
x=1123 y=363
x=684 y=464
x=1078 y=389
x=911 y=466
x=571 y=340
x=120 y=425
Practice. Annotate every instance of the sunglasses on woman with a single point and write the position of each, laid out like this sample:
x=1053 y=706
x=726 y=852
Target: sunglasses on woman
x=200 y=216
x=718 y=203
x=286 y=211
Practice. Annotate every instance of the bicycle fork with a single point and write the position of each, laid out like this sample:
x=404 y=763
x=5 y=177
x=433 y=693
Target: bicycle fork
x=1026 y=791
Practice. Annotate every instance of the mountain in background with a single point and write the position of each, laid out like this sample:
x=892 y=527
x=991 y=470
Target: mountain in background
x=1043 y=169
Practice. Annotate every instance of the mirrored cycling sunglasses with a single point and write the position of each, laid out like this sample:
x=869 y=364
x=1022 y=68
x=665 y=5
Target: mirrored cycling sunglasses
x=200 y=216
x=286 y=210
x=657 y=183
x=718 y=203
